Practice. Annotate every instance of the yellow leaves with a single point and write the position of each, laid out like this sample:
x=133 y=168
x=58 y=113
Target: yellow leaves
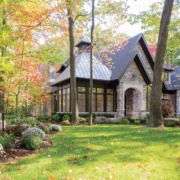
x=142 y=165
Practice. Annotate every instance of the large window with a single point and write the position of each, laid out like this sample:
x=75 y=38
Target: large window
x=109 y=100
x=100 y=100
x=66 y=100
x=60 y=100
x=82 y=99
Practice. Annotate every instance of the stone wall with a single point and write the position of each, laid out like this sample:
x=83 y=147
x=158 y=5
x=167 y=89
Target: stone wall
x=178 y=103
x=140 y=51
x=133 y=82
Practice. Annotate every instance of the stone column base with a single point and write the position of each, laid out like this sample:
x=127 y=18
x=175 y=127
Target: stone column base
x=120 y=113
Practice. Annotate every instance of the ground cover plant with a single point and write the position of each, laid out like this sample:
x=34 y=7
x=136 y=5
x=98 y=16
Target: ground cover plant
x=103 y=152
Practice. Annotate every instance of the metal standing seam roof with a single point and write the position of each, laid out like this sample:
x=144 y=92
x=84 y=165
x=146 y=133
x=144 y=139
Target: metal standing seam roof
x=82 y=69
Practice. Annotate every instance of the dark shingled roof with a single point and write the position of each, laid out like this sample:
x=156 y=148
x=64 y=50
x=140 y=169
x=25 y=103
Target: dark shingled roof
x=121 y=59
x=175 y=78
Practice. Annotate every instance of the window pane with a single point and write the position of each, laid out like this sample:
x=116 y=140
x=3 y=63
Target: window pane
x=67 y=102
x=109 y=105
x=81 y=89
x=82 y=102
x=64 y=103
x=60 y=101
x=109 y=91
x=100 y=90
x=100 y=103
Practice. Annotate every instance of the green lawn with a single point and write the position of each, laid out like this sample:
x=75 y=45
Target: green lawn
x=103 y=152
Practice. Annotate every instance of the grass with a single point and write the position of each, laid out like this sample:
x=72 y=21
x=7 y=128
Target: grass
x=103 y=152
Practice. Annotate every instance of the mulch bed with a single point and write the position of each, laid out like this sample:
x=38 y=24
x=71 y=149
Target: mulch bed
x=17 y=151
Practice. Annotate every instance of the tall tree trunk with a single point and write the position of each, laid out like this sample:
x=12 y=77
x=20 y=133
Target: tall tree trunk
x=2 y=91
x=91 y=68
x=74 y=105
x=156 y=119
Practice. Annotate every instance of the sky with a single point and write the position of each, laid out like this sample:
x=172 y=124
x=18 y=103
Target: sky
x=136 y=6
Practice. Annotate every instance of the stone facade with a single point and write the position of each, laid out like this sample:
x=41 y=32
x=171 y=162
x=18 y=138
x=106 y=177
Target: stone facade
x=131 y=93
x=143 y=57
x=178 y=104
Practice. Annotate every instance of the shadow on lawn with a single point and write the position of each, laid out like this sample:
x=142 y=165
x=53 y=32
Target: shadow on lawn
x=80 y=146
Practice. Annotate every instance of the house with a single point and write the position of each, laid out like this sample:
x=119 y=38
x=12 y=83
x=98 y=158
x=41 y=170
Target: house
x=122 y=89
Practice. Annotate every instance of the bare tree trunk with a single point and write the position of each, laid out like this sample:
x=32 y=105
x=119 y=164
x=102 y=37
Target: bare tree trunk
x=2 y=91
x=91 y=68
x=156 y=119
x=74 y=105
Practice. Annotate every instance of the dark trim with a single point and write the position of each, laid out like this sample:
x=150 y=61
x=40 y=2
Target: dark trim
x=142 y=70
x=146 y=50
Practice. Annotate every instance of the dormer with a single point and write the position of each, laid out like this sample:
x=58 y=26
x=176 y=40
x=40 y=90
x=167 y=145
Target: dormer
x=84 y=44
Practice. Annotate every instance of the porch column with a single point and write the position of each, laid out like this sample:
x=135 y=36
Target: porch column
x=120 y=101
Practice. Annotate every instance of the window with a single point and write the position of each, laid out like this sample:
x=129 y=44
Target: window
x=82 y=99
x=60 y=100
x=66 y=100
x=109 y=100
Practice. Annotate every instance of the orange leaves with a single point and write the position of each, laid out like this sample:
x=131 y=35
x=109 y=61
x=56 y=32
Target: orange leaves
x=51 y=178
x=142 y=165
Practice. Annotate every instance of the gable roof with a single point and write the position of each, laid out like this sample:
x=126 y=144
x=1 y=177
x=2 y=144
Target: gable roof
x=121 y=59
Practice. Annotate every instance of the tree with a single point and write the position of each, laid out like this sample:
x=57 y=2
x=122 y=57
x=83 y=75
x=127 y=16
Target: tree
x=74 y=106
x=150 y=24
x=91 y=67
x=156 y=119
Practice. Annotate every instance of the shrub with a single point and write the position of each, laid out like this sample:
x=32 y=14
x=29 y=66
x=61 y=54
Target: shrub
x=167 y=109
x=145 y=119
x=82 y=119
x=97 y=121
x=34 y=131
x=43 y=117
x=19 y=128
x=66 y=117
x=107 y=121
x=55 y=117
x=169 y=123
x=15 y=121
x=1 y=149
x=43 y=127
x=65 y=122
x=31 y=142
x=32 y=122
x=123 y=120
x=6 y=140
x=55 y=127
x=137 y=121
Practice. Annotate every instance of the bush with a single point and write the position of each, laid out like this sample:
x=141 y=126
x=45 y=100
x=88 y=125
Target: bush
x=34 y=131
x=66 y=117
x=107 y=121
x=15 y=121
x=32 y=122
x=31 y=142
x=82 y=119
x=6 y=140
x=167 y=109
x=145 y=120
x=123 y=120
x=55 y=117
x=43 y=127
x=19 y=128
x=137 y=121
x=97 y=121
x=54 y=127
x=65 y=122
x=1 y=149
x=43 y=117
